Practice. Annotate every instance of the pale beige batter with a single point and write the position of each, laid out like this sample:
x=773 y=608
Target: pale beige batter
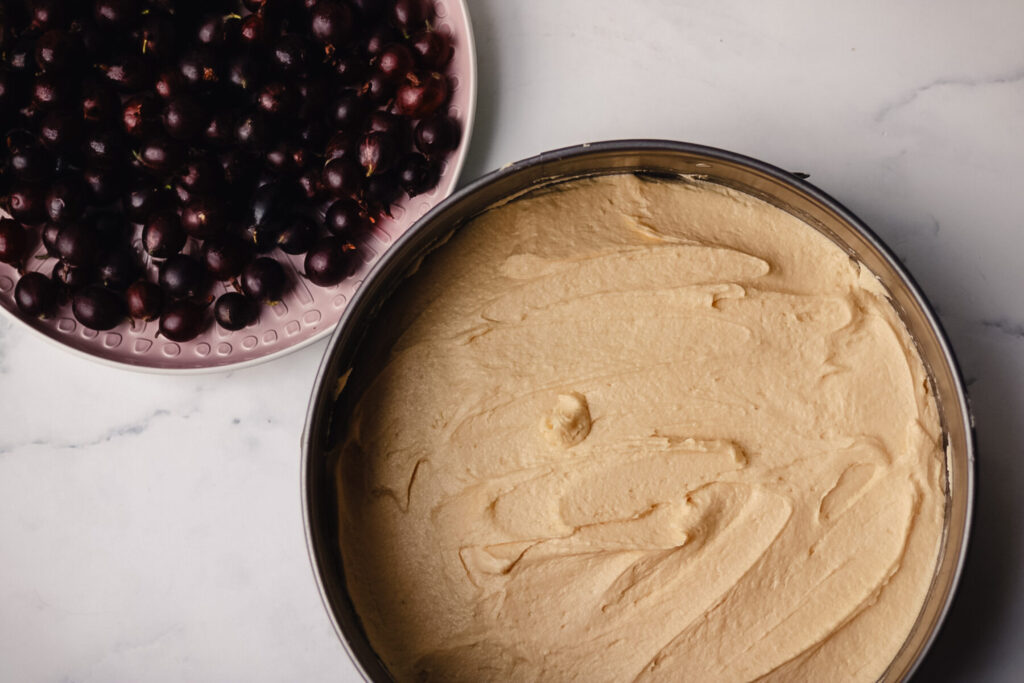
x=638 y=430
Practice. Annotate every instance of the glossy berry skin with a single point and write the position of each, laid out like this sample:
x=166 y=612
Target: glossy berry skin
x=48 y=14
x=184 y=118
x=234 y=311
x=348 y=69
x=182 y=193
x=25 y=203
x=59 y=51
x=296 y=235
x=50 y=91
x=341 y=145
x=183 y=277
x=98 y=308
x=220 y=129
x=239 y=171
x=284 y=159
x=140 y=116
x=201 y=174
x=65 y=200
x=252 y=131
x=144 y=300
x=116 y=14
x=200 y=67
x=348 y=110
x=289 y=55
x=383 y=122
x=127 y=73
x=264 y=279
x=346 y=218
x=36 y=295
x=71 y=278
x=331 y=22
x=378 y=38
x=416 y=174
x=225 y=258
x=378 y=152
x=223 y=136
x=77 y=244
x=262 y=237
x=253 y=31
x=144 y=199
x=48 y=236
x=118 y=269
x=103 y=186
x=437 y=135
x=182 y=321
x=162 y=156
x=104 y=148
x=20 y=57
x=341 y=178
x=60 y=132
x=379 y=89
x=382 y=191
x=246 y=73
x=169 y=84
x=271 y=200
x=213 y=31
x=203 y=217
x=163 y=235
x=13 y=241
x=411 y=15
x=422 y=95
x=433 y=50
x=395 y=61
x=275 y=99
x=310 y=184
x=329 y=261
x=100 y=103
x=31 y=163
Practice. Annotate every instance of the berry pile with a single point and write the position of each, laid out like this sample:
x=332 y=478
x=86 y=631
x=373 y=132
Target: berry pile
x=154 y=147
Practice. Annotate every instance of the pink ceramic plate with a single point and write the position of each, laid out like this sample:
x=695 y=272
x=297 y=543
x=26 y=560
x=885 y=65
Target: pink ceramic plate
x=308 y=312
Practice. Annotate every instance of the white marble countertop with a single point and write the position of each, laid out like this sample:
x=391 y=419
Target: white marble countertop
x=150 y=526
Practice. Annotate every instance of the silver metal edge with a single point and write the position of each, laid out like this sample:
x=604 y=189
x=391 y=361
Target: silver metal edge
x=325 y=362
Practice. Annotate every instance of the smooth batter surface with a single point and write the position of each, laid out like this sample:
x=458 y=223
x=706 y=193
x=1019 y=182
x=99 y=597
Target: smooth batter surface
x=638 y=430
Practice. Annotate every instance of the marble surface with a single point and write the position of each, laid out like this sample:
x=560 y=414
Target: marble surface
x=150 y=526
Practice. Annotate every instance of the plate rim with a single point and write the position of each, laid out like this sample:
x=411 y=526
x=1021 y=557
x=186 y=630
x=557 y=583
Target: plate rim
x=460 y=160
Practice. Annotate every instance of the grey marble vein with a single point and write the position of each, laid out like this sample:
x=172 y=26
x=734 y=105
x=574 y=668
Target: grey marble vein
x=1007 y=327
x=910 y=120
x=134 y=428
x=1013 y=76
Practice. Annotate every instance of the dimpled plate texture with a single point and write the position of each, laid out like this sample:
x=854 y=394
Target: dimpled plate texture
x=308 y=312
